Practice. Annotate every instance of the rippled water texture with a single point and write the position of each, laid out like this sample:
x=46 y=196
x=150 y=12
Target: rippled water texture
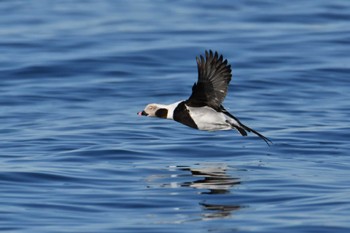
x=75 y=157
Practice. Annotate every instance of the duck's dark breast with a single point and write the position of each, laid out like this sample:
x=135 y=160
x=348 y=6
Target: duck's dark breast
x=182 y=115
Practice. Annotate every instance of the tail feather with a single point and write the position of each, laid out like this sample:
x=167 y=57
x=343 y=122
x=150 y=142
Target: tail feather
x=242 y=128
x=268 y=141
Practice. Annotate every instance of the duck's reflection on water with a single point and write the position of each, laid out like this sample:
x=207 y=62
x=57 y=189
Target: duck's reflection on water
x=218 y=211
x=215 y=180
x=210 y=179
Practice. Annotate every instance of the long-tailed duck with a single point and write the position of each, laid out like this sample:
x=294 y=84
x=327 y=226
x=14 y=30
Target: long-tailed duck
x=204 y=110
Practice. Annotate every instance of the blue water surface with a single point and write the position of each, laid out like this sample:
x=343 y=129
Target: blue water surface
x=75 y=157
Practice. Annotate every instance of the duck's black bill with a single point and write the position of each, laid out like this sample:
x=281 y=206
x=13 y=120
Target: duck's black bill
x=143 y=113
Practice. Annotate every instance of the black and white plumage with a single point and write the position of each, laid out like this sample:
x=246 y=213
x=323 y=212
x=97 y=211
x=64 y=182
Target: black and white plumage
x=204 y=110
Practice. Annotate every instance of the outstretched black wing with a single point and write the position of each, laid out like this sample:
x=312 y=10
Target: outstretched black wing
x=214 y=75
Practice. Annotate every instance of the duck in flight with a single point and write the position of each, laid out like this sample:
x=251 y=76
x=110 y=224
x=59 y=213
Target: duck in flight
x=204 y=110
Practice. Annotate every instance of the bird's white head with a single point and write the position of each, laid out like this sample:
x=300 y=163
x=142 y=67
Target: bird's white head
x=155 y=110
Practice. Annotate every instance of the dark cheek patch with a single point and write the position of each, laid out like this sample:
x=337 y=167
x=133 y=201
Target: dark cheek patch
x=162 y=113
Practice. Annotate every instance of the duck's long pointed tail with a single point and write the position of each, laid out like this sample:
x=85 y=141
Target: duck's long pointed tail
x=243 y=128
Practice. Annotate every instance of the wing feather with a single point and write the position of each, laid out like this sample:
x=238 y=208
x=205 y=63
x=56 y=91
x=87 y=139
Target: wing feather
x=214 y=76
